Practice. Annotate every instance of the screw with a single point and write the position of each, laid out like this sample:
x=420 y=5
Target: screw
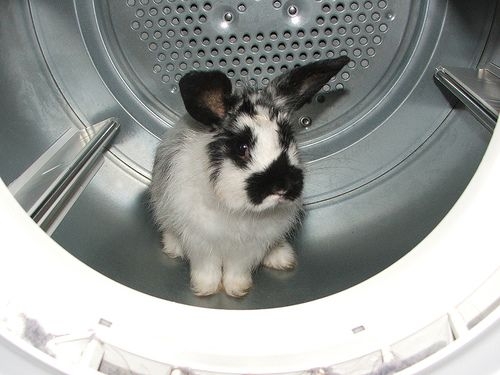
x=292 y=10
x=305 y=121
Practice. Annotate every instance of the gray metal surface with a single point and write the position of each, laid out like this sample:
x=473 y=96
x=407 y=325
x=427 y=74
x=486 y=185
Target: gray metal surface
x=33 y=112
x=387 y=151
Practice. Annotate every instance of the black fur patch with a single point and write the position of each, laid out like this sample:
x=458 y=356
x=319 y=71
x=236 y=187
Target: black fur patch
x=246 y=107
x=285 y=133
x=279 y=175
x=216 y=152
x=227 y=144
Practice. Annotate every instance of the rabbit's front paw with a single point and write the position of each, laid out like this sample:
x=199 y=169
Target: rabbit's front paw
x=237 y=285
x=205 y=283
x=203 y=288
x=281 y=257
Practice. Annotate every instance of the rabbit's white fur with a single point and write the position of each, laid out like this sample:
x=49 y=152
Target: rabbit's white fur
x=217 y=229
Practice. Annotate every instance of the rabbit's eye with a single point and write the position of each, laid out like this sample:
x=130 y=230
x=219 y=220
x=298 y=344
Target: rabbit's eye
x=240 y=146
x=244 y=151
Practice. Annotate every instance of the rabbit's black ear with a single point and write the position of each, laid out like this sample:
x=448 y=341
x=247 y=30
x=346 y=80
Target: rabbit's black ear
x=293 y=89
x=206 y=96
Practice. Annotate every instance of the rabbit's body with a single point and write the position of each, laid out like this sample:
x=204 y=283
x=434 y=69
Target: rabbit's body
x=227 y=180
x=197 y=226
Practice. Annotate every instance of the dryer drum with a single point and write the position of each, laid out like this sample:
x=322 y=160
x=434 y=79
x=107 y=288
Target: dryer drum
x=388 y=147
x=387 y=151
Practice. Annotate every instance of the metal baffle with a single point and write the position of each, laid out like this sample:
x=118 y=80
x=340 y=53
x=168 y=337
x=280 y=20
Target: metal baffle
x=477 y=89
x=46 y=187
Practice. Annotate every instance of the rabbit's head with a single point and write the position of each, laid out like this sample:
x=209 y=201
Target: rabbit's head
x=253 y=158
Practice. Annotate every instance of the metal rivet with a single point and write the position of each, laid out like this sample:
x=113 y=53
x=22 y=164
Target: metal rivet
x=292 y=10
x=228 y=16
x=305 y=121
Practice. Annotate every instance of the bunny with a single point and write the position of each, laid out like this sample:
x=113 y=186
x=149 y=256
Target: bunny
x=227 y=180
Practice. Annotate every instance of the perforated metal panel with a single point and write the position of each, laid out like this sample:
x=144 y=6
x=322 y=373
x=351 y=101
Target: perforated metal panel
x=178 y=35
x=255 y=41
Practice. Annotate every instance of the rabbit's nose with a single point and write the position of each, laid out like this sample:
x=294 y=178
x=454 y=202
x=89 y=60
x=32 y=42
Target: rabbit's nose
x=282 y=187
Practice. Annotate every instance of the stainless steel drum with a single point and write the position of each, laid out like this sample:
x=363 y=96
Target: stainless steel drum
x=388 y=149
